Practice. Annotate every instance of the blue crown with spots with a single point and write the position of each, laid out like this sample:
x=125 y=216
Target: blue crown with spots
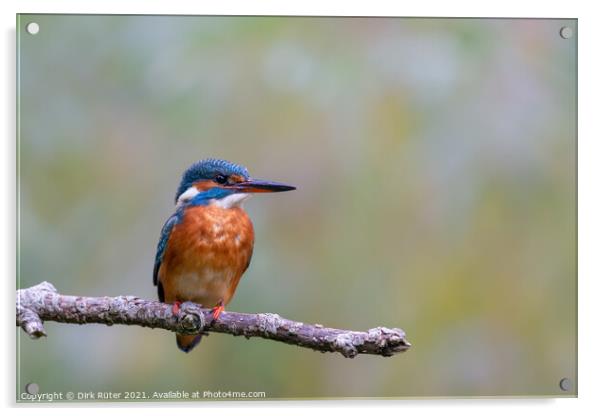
x=208 y=169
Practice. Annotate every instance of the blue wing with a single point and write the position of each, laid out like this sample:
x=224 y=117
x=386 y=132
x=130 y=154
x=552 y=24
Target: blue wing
x=165 y=233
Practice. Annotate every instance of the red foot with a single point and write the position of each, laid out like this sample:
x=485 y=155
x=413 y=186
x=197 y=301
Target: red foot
x=218 y=309
x=175 y=308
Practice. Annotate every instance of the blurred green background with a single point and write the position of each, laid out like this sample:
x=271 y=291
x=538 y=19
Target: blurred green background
x=435 y=161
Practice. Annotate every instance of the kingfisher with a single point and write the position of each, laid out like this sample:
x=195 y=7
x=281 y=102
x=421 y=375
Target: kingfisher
x=207 y=244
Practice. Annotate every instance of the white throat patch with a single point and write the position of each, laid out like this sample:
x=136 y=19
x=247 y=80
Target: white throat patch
x=187 y=196
x=231 y=201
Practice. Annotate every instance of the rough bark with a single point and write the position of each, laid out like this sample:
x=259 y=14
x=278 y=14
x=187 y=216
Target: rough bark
x=43 y=303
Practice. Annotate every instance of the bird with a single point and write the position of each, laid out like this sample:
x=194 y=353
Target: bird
x=206 y=245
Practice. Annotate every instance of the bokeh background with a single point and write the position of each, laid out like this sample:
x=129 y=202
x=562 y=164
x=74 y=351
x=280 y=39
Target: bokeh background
x=435 y=161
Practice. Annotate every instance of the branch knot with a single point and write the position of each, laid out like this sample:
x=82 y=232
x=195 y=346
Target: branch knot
x=191 y=319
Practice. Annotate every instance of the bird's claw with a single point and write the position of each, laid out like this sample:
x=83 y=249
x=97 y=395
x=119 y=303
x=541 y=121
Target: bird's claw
x=175 y=308
x=217 y=310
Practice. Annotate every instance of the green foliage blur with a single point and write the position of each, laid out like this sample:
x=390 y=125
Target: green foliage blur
x=435 y=161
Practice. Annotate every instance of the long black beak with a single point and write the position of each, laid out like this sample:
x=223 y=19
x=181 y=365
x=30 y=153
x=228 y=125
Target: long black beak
x=256 y=186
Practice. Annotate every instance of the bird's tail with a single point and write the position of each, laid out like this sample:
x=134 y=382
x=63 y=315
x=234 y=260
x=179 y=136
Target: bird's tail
x=187 y=342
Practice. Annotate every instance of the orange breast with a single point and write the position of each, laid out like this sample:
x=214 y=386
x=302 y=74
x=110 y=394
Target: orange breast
x=206 y=255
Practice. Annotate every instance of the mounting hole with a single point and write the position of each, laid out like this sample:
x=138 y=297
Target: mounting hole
x=32 y=28
x=566 y=32
x=565 y=384
x=32 y=388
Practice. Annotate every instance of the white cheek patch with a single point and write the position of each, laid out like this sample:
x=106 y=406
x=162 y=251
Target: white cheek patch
x=187 y=196
x=230 y=201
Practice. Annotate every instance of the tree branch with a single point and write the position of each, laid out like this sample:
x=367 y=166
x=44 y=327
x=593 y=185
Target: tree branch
x=43 y=303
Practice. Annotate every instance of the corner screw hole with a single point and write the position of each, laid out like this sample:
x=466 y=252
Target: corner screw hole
x=32 y=28
x=566 y=32
x=565 y=384
x=32 y=388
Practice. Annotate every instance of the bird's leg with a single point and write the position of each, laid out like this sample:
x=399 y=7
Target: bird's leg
x=218 y=309
x=175 y=308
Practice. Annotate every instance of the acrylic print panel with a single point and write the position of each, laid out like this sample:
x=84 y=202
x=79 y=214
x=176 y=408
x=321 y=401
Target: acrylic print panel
x=435 y=166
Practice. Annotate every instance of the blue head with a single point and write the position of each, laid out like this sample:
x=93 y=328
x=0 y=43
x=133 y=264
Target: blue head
x=222 y=182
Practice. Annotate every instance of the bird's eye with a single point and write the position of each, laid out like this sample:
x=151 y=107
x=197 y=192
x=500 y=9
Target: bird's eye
x=221 y=179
